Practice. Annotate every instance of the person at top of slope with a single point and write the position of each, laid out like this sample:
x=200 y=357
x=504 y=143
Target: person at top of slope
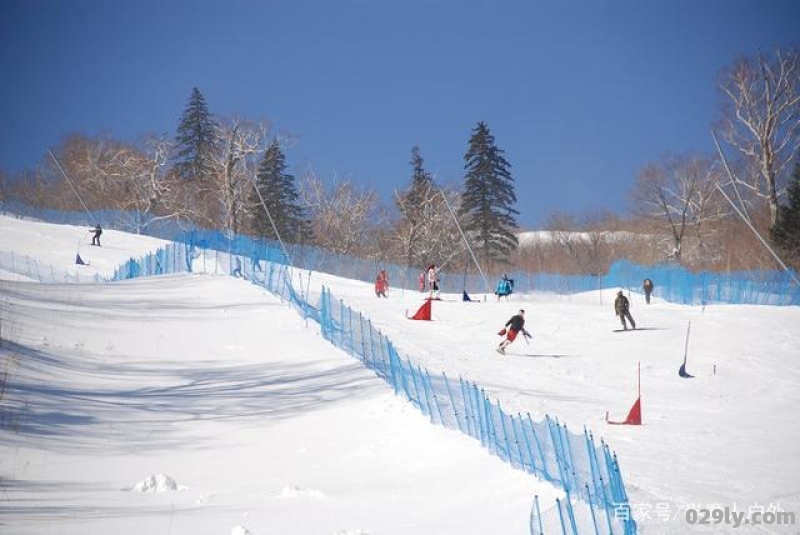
x=97 y=232
x=381 y=283
x=504 y=288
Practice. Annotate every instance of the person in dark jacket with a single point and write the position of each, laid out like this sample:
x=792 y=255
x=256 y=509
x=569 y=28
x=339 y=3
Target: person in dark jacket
x=622 y=308
x=513 y=327
x=97 y=232
x=647 y=286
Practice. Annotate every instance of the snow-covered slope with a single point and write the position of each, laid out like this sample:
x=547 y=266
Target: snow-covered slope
x=226 y=390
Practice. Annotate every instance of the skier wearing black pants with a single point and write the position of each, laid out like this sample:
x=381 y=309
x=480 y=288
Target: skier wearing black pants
x=622 y=308
x=97 y=232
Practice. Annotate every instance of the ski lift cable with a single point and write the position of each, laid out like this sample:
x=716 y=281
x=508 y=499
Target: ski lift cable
x=464 y=237
x=747 y=220
x=72 y=186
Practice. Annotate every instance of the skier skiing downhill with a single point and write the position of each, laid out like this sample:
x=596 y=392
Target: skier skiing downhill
x=622 y=309
x=512 y=328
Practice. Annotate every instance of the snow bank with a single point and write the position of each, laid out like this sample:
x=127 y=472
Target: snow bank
x=157 y=483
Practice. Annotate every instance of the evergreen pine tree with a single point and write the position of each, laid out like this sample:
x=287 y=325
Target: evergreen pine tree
x=786 y=232
x=488 y=198
x=417 y=204
x=281 y=198
x=421 y=181
x=196 y=138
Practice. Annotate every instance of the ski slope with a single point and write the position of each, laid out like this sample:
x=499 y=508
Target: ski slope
x=225 y=389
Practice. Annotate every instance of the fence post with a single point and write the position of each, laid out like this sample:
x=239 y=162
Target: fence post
x=435 y=399
x=425 y=393
x=469 y=416
x=539 y=448
x=418 y=400
x=591 y=510
x=519 y=446
x=538 y=515
x=453 y=403
x=502 y=416
x=561 y=517
x=492 y=432
x=562 y=471
x=481 y=418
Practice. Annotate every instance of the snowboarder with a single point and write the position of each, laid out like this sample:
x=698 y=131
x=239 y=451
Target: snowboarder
x=504 y=288
x=622 y=308
x=381 y=284
x=647 y=286
x=433 y=281
x=512 y=328
x=97 y=232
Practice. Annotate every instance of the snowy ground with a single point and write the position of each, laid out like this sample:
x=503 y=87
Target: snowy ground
x=218 y=385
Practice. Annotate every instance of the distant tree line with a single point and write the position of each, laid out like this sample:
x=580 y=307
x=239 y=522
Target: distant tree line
x=231 y=173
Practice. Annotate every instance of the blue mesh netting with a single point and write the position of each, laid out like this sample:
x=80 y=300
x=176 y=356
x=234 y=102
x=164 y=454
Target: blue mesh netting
x=672 y=283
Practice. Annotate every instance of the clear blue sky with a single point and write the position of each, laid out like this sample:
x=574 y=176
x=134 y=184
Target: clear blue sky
x=580 y=95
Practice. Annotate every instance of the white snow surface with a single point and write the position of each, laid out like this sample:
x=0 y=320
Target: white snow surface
x=269 y=429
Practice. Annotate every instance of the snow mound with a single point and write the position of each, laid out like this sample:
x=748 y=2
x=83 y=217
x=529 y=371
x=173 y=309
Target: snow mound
x=157 y=483
x=240 y=530
x=297 y=492
x=356 y=532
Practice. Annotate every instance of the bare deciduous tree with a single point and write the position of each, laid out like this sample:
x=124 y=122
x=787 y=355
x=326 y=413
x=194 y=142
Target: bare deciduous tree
x=427 y=232
x=584 y=239
x=340 y=215
x=109 y=174
x=233 y=166
x=761 y=119
x=681 y=195
x=150 y=195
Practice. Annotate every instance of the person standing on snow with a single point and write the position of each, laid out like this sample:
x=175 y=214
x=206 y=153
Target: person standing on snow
x=504 y=288
x=97 y=232
x=647 y=286
x=622 y=308
x=513 y=327
x=433 y=281
x=381 y=284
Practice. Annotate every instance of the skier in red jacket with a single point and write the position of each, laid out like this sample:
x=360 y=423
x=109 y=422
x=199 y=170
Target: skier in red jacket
x=381 y=284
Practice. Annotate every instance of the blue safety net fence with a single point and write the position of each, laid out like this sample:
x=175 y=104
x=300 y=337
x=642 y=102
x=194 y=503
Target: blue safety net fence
x=594 y=499
x=673 y=283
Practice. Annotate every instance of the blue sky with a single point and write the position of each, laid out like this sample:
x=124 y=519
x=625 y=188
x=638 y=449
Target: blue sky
x=580 y=95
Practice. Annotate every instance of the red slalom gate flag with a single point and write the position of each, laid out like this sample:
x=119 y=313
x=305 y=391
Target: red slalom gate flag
x=635 y=414
x=424 y=312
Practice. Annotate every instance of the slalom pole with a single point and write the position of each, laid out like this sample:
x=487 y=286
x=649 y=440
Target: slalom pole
x=464 y=285
x=686 y=347
x=682 y=370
